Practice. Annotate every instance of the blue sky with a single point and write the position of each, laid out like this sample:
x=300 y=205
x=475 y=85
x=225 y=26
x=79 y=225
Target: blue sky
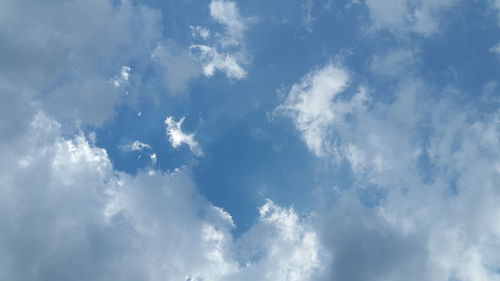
x=208 y=140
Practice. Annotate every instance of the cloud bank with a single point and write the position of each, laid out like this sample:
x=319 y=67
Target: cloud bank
x=423 y=173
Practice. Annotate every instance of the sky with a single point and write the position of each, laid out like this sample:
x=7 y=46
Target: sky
x=284 y=140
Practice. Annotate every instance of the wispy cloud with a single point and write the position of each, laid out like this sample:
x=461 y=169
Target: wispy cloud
x=222 y=52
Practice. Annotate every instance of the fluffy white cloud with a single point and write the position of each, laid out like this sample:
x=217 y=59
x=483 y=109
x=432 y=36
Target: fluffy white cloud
x=177 y=137
x=437 y=167
x=226 y=52
x=69 y=215
x=285 y=247
x=314 y=106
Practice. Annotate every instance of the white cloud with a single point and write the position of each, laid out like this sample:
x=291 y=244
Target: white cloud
x=313 y=106
x=117 y=81
x=226 y=13
x=177 y=137
x=434 y=220
x=285 y=247
x=136 y=146
x=226 y=52
x=212 y=60
x=75 y=218
x=69 y=215
x=154 y=159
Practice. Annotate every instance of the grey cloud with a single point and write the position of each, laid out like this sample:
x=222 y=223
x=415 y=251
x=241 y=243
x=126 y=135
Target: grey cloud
x=53 y=49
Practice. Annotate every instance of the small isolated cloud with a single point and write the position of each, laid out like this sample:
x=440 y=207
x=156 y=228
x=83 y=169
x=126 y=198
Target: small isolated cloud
x=136 y=146
x=312 y=104
x=118 y=80
x=153 y=158
x=177 y=137
x=199 y=31
x=496 y=49
x=222 y=52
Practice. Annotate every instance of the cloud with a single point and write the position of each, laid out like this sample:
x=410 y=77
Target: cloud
x=118 y=80
x=213 y=60
x=53 y=48
x=280 y=246
x=496 y=5
x=307 y=17
x=76 y=218
x=227 y=14
x=177 y=137
x=421 y=17
x=496 y=49
x=136 y=146
x=224 y=52
x=311 y=104
x=436 y=163
x=70 y=215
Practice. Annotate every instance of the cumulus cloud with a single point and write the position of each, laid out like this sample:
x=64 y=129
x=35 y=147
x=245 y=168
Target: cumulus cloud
x=224 y=52
x=292 y=248
x=75 y=218
x=312 y=106
x=177 y=137
x=69 y=215
x=437 y=167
